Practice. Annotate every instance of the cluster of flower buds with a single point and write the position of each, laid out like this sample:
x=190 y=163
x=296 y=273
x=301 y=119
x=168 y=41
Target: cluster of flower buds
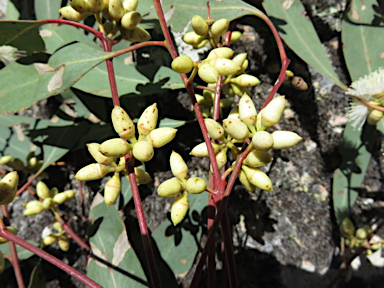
x=120 y=16
x=208 y=31
x=141 y=148
x=206 y=101
x=172 y=187
x=59 y=237
x=48 y=197
x=8 y=187
x=358 y=237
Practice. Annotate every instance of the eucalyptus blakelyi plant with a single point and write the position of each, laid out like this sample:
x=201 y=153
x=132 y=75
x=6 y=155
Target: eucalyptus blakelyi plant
x=237 y=144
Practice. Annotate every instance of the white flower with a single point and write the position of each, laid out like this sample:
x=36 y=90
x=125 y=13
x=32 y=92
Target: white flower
x=369 y=87
x=9 y=54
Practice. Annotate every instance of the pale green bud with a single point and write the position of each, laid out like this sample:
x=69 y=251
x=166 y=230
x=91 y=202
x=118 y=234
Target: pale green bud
x=80 y=6
x=221 y=52
x=33 y=208
x=178 y=167
x=299 y=83
x=234 y=113
x=262 y=141
x=235 y=128
x=244 y=180
x=199 y=25
x=147 y=121
x=53 y=192
x=93 y=172
x=116 y=9
x=240 y=58
x=139 y=34
x=32 y=162
x=112 y=189
x=245 y=80
x=179 y=208
x=143 y=151
x=64 y=243
x=142 y=177
x=49 y=240
x=244 y=66
x=161 y=136
x=361 y=234
x=42 y=190
x=169 y=188
x=116 y=147
x=60 y=198
x=57 y=226
x=235 y=36
x=272 y=113
x=215 y=130
x=247 y=111
x=258 y=178
x=285 y=139
x=123 y=124
x=95 y=5
x=221 y=159
x=209 y=96
x=225 y=66
x=182 y=64
x=201 y=45
x=130 y=20
x=192 y=38
x=196 y=185
x=208 y=73
x=225 y=102
x=257 y=158
x=48 y=203
x=70 y=193
x=5 y=159
x=219 y=27
x=130 y=5
x=11 y=229
x=374 y=116
x=199 y=99
x=71 y=14
x=8 y=187
x=201 y=149
x=93 y=149
x=347 y=229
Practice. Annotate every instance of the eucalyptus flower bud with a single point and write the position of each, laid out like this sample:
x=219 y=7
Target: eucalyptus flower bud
x=245 y=80
x=257 y=158
x=219 y=27
x=347 y=229
x=258 y=178
x=235 y=36
x=221 y=52
x=42 y=190
x=240 y=58
x=33 y=208
x=142 y=177
x=64 y=243
x=49 y=240
x=93 y=172
x=285 y=139
x=48 y=202
x=199 y=25
x=374 y=116
x=57 y=226
x=221 y=159
x=215 y=130
x=208 y=73
x=179 y=208
x=147 y=121
x=247 y=111
x=130 y=5
x=5 y=159
x=235 y=128
x=161 y=136
x=244 y=180
x=262 y=141
x=143 y=151
x=60 y=198
x=196 y=185
x=80 y=6
x=178 y=167
x=182 y=64
x=130 y=20
x=200 y=45
x=93 y=149
x=112 y=189
x=169 y=188
x=8 y=187
x=272 y=113
x=201 y=149
x=299 y=83
x=209 y=96
x=116 y=9
x=225 y=66
x=95 y=5
x=362 y=233
x=123 y=124
x=243 y=67
x=11 y=229
x=115 y=147
x=225 y=102
x=71 y=14
x=70 y=193
x=139 y=34
x=192 y=38
x=234 y=113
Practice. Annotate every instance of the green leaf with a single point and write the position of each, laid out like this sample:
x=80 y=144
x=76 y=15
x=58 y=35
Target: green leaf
x=96 y=133
x=22 y=85
x=37 y=279
x=171 y=123
x=79 y=107
x=298 y=32
x=22 y=253
x=178 y=245
x=356 y=150
x=361 y=39
x=24 y=35
x=12 y=13
x=57 y=36
x=47 y=9
x=109 y=242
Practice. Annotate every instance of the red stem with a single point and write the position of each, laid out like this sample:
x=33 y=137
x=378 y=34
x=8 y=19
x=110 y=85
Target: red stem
x=41 y=253
x=154 y=273
x=211 y=219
